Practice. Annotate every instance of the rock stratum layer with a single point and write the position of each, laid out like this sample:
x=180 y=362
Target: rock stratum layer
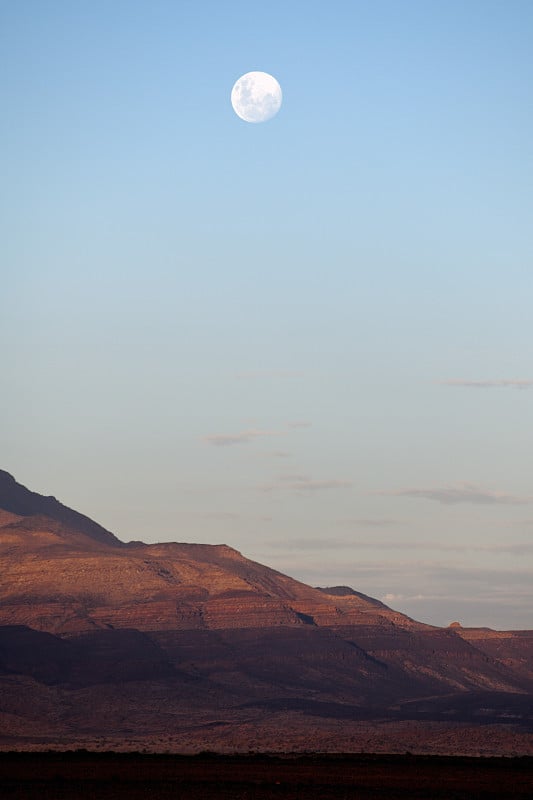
x=105 y=638
x=55 y=579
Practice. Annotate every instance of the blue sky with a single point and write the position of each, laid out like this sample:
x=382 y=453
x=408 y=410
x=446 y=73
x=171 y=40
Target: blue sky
x=311 y=338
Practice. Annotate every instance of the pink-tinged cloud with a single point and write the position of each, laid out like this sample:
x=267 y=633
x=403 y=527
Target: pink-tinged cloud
x=461 y=493
x=304 y=484
x=369 y=523
x=269 y=373
x=244 y=437
x=513 y=384
x=218 y=515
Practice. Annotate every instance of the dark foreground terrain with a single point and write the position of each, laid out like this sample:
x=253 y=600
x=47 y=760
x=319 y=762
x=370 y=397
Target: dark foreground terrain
x=84 y=775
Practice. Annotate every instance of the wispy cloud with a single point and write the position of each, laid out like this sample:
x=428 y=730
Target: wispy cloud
x=516 y=549
x=400 y=545
x=369 y=523
x=469 y=384
x=461 y=493
x=305 y=484
x=387 y=572
x=221 y=515
x=330 y=543
x=229 y=516
x=250 y=434
x=269 y=373
x=244 y=437
x=390 y=597
x=313 y=545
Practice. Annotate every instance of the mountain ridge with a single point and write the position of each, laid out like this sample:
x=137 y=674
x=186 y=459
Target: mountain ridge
x=166 y=585
x=17 y=499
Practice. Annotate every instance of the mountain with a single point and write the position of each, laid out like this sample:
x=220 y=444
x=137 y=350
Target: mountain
x=199 y=645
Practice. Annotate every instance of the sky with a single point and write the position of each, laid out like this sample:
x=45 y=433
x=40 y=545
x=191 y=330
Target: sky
x=310 y=339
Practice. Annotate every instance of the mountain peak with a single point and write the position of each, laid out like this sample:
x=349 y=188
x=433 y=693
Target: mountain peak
x=17 y=499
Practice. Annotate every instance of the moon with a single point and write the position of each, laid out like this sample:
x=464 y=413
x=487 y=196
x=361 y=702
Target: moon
x=256 y=97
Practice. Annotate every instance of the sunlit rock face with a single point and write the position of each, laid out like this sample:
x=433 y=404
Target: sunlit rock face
x=59 y=579
x=64 y=573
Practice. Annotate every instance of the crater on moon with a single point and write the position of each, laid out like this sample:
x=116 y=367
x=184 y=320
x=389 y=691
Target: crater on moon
x=256 y=97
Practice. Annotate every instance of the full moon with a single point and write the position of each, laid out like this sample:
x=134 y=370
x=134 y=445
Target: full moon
x=256 y=97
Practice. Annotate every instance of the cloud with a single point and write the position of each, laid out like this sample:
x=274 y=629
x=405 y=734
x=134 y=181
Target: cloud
x=514 y=384
x=425 y=574
x=269 y=373
x=336 y=543
x=244 y=437
x=218 y=515
x=306 y=544
x=509 y=548
x=354 y=544
x=281 y=454
x=493 y=581
x=300 y=424
x=369 y=523
x=390 y=597
x=305 y=484
x=230 y=516
x=461 y=493
x=516 y=549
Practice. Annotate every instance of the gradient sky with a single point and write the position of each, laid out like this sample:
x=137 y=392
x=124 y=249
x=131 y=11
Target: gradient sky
x=310 y=339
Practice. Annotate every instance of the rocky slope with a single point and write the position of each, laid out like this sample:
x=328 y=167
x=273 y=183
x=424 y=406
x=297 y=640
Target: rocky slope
x=17 y=501
x=63 y=573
